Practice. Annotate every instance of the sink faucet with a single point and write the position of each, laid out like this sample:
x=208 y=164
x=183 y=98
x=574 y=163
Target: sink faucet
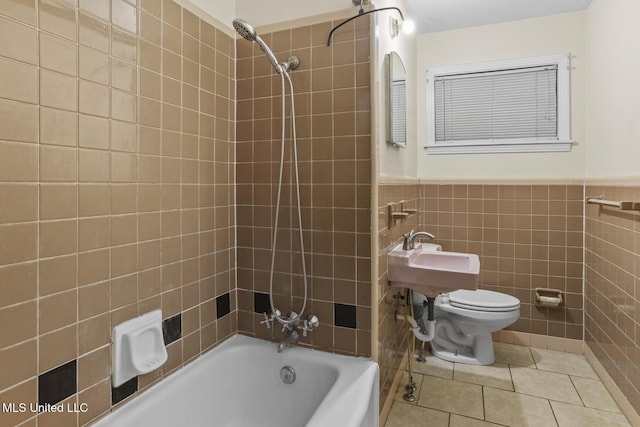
x=410 y=237
x=290 y=337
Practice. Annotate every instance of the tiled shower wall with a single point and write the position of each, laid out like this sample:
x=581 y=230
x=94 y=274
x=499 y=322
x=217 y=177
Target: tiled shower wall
x=392 y=333
x=116 y=192
x=612 y=280
x=333 y=119
x=527 y=237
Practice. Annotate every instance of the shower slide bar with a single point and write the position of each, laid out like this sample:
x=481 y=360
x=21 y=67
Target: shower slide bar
x=624 y=205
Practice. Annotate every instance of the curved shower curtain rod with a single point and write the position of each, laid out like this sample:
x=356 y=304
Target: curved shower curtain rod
x=361 y=12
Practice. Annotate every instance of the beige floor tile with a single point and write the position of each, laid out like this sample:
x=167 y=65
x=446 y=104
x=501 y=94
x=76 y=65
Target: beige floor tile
x=434 y=366
x=513 y=354
x=518 y=410
x=551 y=395
x=460 y=421
x=579 y=416
x=548 y=385
x=594 y=394
x=417 y=378
x=403 y=415
x=451 y=396
x=564 y=363
x=496 y=375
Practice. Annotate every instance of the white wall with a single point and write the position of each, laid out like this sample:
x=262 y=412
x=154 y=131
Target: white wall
x=550 y=35
x=223 y=11
x=393 y=161
x=265 y=12
x=613 y=95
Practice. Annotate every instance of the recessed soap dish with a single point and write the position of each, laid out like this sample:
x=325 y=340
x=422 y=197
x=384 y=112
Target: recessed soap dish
x=138 y=347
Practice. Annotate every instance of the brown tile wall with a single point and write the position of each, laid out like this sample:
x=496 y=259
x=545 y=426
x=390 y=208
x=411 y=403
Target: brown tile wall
x=116 y=187
x=392 y=333
x=334 y=150
x=527 y=236
x=612 y=283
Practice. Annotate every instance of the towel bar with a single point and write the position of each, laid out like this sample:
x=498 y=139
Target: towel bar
x=623 y=205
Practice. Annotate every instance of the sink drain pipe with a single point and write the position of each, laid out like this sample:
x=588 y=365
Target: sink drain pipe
x=423 y=312
x=423 y=329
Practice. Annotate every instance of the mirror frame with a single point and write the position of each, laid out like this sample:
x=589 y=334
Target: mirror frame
x=392 y=58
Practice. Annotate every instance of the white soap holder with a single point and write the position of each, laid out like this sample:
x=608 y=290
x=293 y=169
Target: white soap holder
x=138 y=347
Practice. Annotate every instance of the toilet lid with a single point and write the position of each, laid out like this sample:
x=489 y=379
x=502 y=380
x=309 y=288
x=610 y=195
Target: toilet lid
x=483 y=300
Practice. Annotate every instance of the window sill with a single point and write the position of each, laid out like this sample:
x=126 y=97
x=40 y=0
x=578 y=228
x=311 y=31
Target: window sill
x=549 y=147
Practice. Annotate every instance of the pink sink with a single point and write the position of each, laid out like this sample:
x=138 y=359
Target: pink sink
x=432 y=272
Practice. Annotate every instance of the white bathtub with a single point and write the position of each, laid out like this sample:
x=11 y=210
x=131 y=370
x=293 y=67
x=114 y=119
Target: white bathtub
x=238 y=384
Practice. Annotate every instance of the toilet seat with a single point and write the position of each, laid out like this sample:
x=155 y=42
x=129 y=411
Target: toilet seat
x=483 y=300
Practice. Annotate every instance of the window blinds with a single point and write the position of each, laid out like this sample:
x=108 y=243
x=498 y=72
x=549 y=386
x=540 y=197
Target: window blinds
x=506 y=104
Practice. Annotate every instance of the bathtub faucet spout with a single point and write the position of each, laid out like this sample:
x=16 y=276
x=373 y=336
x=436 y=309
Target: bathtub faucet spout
x=291 y=337
x=291 y=332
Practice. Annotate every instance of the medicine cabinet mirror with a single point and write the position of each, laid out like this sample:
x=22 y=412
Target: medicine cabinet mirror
x=396 y=100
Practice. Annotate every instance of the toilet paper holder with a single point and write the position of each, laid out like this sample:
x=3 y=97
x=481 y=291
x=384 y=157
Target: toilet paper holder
x=546 y=297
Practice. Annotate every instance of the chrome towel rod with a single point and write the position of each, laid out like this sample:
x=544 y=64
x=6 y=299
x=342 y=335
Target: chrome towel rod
x=624 y=205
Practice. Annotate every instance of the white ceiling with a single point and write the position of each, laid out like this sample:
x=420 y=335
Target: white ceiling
x=441 y=15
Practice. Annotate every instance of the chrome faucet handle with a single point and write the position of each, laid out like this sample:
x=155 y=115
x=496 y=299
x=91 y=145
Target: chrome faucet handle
x=310 y=324
x=312 y=321
x=269 y=319
x=407 y=237
x=409 y=234
x=406 y=243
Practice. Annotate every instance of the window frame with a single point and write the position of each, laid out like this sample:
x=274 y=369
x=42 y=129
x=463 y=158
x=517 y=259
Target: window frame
x=518 y=145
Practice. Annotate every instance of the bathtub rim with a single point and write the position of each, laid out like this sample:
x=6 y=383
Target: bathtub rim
x=355 y=374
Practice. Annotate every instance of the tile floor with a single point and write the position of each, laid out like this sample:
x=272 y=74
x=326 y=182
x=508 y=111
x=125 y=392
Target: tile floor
x=525 y=387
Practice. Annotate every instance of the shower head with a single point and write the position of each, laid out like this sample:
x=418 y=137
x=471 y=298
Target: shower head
x=247 y=31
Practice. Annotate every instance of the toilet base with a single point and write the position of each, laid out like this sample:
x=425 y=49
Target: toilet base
x=480 y=354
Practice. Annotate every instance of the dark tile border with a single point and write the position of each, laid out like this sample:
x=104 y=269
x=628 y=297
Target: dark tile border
x=261 y=303
x=118 y=394
x=172 y=329
x=57 y=384
x=223 y=305
x=345 y=315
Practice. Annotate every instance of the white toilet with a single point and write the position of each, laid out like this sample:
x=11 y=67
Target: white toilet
x=465 y=321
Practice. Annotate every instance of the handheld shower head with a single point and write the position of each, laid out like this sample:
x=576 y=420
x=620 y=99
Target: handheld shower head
x=247 y=31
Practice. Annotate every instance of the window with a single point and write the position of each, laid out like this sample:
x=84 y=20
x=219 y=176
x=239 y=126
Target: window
x=517 y=105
